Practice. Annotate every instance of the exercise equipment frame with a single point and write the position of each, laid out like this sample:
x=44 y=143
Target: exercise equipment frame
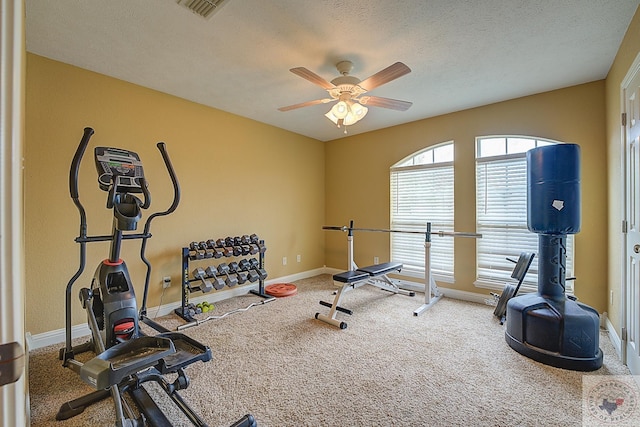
x=432 y=294
x=183 y=310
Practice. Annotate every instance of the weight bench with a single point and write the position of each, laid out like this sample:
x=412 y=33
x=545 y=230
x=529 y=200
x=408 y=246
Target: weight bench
x=374 y=275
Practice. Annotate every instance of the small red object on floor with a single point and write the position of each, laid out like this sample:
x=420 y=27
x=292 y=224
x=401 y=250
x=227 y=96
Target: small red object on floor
x=281 y=289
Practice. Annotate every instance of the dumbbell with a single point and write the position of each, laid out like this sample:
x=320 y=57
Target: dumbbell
x=252 y=275
x=253 y=249
x=251 y=267
x=255 y=266
x=232 y=280
x=194 y=309
x=218 y=282
x=236 y=270
x=237 y=250
x=195 y=252
x=242 y=276
x=262 y=247
x=228 y=241
x=218 y=252
x=204 y=307
x=244 y=265
x=254 y=238
x=212 y=251
x=245 y=240
x=208 y=252
x=237 y=241
x=220 y=243
x=200 y=274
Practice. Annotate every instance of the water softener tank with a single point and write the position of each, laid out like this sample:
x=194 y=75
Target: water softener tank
x=548 y=326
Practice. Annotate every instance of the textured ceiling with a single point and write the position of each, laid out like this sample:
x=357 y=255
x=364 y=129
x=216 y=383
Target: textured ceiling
x=463 y=53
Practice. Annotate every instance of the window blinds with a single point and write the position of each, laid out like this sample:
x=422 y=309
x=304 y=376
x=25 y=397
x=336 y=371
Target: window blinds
x=501 y=204
x=421 y=194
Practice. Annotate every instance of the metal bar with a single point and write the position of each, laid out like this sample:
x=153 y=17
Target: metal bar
x=87 y=239
x=384 y=230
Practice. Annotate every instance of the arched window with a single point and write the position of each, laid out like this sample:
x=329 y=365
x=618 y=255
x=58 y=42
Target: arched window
x=501 y=210
x=421 y=192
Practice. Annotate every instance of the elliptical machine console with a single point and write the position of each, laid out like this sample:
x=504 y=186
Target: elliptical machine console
x=122 y=168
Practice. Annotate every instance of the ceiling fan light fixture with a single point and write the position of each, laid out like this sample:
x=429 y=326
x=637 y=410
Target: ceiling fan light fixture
x=354 y=112
x=340 y=110
x=358 y=110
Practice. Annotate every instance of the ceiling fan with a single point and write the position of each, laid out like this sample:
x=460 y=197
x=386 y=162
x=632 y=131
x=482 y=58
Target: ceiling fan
x=350 y=91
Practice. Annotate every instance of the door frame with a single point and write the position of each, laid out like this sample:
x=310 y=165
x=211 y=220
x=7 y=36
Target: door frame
x=633 y=70
x=13 y=396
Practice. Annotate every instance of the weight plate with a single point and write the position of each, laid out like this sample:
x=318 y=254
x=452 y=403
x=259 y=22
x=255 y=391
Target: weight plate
x=281 y=289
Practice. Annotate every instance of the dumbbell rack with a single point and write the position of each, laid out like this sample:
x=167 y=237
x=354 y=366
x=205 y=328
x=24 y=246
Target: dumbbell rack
x=239 y=248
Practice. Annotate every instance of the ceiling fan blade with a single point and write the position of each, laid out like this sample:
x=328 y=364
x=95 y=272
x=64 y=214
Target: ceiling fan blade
x=390 y=73
x=393 y=104
x=306 y=104
x=312 y=77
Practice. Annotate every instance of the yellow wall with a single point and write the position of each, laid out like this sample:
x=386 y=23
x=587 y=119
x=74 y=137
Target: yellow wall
x=357 y=177
x=629 y=50
x=237 y=176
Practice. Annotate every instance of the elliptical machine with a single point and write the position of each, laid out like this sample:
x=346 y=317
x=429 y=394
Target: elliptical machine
x=126 y=358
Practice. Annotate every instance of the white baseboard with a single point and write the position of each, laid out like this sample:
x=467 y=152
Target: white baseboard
x=55 y=337
x=614 y=337
x=447 y=292
x=59 y=336
x=464 y=295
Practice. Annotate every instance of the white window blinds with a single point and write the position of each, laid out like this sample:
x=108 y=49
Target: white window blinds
x=421 y=194
x=501 y=216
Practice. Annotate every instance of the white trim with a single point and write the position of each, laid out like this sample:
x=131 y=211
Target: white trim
x=463 y=295
x=58 y=336
x=613 y=336
x=447 y=292
x=633 y=69
x=624 y=315
x=13 y=396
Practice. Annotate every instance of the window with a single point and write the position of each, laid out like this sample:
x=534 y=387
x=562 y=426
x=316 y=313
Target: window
x=421 y=192
x=501 y=211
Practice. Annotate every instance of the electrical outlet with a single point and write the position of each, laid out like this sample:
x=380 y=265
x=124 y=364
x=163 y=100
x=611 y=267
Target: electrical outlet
x=376 y=260
x=284 y=260
x=166 y=282
x=299 y=258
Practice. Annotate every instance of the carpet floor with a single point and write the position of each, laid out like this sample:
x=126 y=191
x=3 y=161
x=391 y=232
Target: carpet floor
x=450 y=366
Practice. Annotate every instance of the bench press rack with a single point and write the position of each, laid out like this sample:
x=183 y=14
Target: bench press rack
x=353 y=276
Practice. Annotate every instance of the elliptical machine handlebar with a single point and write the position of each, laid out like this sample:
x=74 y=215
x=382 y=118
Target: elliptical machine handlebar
x=75 y=163
x=176 y=200
x=174 y=180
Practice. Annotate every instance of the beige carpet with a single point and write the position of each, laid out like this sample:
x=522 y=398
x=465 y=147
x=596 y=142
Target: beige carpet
x=449 y=367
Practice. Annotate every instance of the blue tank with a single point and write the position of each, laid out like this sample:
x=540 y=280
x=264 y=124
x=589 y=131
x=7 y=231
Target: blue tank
x=553 y=189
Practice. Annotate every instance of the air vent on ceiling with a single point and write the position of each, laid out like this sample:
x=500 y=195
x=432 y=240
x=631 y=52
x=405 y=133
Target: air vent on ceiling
x=204 y=8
